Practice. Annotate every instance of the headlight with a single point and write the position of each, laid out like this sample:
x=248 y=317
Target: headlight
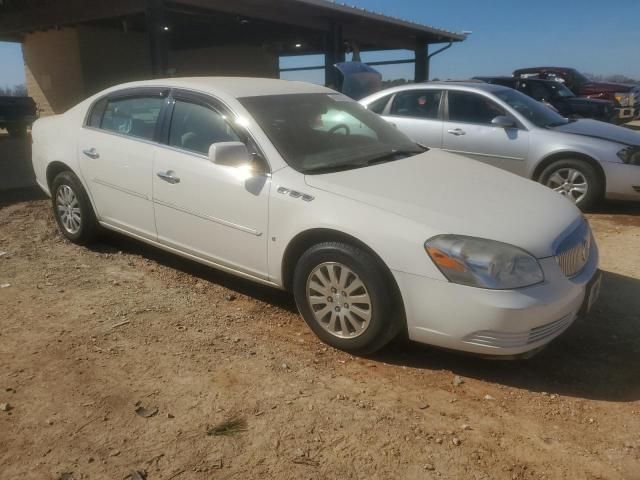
x=478 y=262
x=623 y=99
x=630 y=155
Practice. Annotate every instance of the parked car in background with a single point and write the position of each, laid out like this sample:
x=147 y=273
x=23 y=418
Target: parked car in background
x=559 y=97
x=299 y=187
x=17 y=114
x=584 y=160
x=625 y=96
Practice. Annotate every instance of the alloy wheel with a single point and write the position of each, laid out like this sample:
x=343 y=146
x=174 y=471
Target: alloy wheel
x=339 y=300
x=68 y=209
x=570 y=183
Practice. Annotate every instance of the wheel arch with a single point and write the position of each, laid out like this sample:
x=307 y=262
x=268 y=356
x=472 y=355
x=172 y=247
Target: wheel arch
x=568 y=155
x=54 y=169
x=306 y=239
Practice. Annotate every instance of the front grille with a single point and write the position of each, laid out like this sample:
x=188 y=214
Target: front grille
x=573 y=253
x=494 y=339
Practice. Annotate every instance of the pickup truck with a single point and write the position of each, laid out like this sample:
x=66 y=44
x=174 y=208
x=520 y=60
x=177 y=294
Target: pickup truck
x=625 y=96
x=559 y=97
x=16 y=114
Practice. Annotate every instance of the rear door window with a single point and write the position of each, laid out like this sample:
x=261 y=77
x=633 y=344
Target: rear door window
x=417 y=104
x=132 y=116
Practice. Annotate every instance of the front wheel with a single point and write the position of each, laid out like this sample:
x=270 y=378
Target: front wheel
x=577 y=180
x=343 y=294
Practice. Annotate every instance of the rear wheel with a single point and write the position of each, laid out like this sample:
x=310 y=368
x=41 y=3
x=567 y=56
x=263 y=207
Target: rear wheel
x=72 y=209
x=344 y=296
x=577 y=180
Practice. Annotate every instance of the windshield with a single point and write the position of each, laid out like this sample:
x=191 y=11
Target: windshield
x=320 y=132
x=534 y=111
x=560 y=91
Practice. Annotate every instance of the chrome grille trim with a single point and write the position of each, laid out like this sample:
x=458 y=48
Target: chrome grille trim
x=574 y=252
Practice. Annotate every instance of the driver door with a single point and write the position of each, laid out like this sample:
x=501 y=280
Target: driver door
x=468 y=131
x=216 y=212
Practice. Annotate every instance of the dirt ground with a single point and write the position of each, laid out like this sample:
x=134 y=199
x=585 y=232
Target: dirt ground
x=90 y=339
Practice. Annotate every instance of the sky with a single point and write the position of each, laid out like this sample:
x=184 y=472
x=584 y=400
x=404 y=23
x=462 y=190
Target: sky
x=595 y=36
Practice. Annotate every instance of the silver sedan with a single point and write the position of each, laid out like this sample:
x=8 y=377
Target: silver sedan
x=584 y=160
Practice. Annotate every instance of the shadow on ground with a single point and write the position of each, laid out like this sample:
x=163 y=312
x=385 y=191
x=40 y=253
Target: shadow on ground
x=597 y=358
x=114 y=242
x=17 y=195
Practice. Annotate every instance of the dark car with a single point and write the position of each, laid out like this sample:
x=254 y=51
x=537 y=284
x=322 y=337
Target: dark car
x=626 y=96
x=16 y=114
x=558 y=96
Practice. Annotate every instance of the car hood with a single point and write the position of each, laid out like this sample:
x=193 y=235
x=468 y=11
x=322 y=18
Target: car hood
x=596 y=129
x=448 y=193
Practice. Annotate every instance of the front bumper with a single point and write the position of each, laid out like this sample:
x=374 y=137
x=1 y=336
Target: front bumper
x=623 y=181
x=494 y=322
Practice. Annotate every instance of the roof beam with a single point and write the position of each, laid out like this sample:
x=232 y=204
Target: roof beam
x=283 y=13
x=65 y=12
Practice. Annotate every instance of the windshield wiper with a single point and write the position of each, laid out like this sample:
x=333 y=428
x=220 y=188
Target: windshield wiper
x=385 y=157
x=392 y=156
x=333 y=168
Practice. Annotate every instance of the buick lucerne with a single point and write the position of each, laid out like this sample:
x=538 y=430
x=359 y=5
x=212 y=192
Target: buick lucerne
x=298 y=187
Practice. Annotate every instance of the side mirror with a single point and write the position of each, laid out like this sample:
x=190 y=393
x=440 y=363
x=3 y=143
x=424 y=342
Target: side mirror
x=231 y=154
x=504 y=121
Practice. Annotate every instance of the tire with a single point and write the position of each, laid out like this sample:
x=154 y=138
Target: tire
x=357 y=329
x=78 y=223
x=564 y=170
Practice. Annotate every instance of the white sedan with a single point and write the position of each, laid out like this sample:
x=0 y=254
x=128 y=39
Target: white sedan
x=296 y=186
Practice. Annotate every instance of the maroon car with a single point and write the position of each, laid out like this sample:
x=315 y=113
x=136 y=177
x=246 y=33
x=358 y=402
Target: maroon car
x=625 y=96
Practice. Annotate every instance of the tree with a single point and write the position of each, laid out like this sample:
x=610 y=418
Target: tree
x=15 y=91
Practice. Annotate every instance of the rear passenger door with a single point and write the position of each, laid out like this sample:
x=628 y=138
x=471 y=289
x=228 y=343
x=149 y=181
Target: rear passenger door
x=417 y=113
x=115 y=152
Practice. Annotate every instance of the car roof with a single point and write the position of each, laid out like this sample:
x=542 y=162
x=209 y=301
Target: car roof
x=470 y=85
x=237 y=87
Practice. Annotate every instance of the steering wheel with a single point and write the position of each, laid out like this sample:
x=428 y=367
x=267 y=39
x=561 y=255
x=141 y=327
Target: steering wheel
x=335 y=128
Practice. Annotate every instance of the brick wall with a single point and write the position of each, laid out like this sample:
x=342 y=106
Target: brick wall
x=52 y=69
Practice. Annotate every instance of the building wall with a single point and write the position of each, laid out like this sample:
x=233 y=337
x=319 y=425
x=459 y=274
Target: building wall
x=65 y=66
x=239 y=60
x=52 y=69
x=110 y=57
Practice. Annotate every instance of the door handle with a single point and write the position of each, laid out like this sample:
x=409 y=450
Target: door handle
x=456 y=131
x=91 y=153
x=168 y=176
